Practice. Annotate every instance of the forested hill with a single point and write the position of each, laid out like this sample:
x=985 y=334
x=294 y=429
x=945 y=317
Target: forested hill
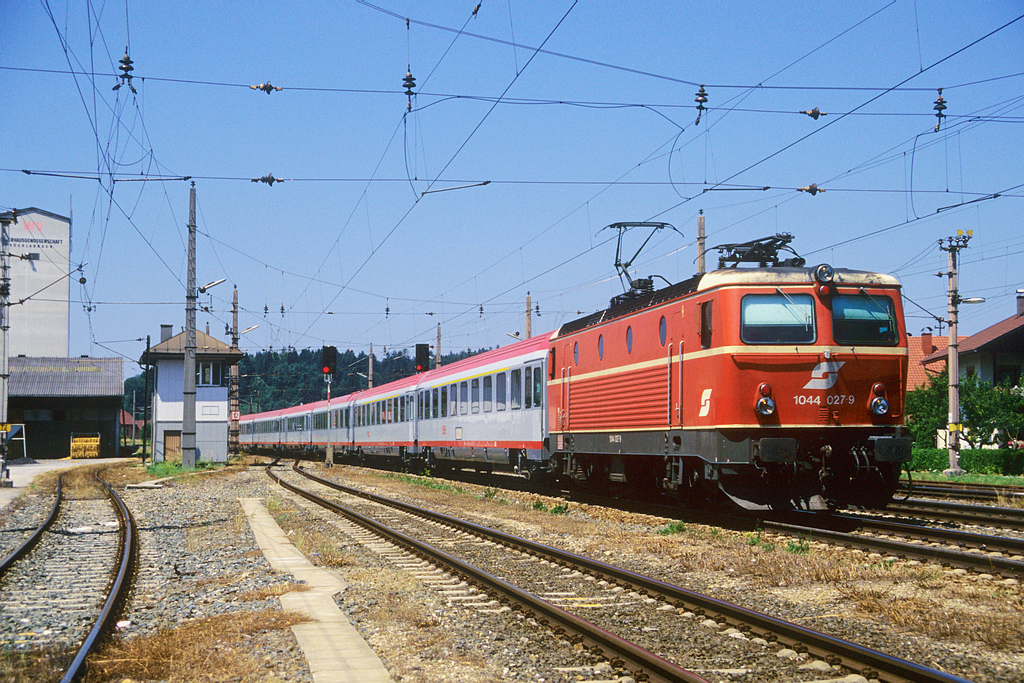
x=279 y=379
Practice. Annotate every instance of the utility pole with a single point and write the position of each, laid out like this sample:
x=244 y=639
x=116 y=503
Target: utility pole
x=954 y=427
x=233 y=386
x=529 y=319
x=5 y=325
x=369 y=373
x=437 y=354
x=145 y=405
x=700 y=244
x=188 y=423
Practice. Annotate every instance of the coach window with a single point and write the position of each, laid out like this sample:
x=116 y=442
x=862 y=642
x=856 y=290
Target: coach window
x=529 y=383
x=705 y=325
x=600 y=347
x=576 y=353
x=538 y=389
x=463 y=397
x=629 y=339
x=444 y=401
x=516 y=389
x=474 y=386
x=434 y=407
x=663 y=330
x=488 y=393
x=500 y=382
x=419 y=405
x=453 y=400
x=426 y=404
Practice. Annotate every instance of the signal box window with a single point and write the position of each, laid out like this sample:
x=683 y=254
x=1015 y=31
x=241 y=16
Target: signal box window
x=500 y=386
x=864 y=319
x=777 y=319
x=517 y=389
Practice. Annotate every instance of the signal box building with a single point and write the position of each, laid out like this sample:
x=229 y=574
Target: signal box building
x=214 y=359
x=58 y=399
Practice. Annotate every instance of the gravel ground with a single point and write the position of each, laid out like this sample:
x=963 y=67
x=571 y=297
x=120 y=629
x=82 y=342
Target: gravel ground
x=199 y=559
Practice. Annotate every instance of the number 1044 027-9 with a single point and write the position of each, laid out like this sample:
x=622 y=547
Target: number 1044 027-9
x=832 y=400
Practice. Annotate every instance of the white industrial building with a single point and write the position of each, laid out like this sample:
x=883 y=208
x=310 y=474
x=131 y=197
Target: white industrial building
x=39 y=244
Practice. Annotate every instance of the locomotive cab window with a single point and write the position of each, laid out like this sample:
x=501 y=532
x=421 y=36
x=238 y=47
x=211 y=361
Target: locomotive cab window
x=777 y=319
x=864 y=319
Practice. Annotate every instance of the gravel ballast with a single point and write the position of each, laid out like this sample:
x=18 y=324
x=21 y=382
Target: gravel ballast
x=199 y=559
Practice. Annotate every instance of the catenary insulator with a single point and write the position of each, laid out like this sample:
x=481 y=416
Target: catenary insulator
x=940 y=106
x=814 y=113
x=700 y=99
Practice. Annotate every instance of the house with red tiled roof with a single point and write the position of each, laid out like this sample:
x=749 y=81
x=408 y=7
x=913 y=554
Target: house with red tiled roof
x=926 y=347
x=993 y=355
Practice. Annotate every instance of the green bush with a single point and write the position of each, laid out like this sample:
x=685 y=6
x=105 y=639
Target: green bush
x=980 y=461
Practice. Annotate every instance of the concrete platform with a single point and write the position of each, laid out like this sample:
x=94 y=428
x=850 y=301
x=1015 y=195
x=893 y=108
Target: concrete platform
x=23 y=473
x=335 y=651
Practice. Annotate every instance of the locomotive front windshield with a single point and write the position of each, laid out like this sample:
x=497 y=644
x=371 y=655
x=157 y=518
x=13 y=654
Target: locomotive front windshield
x=863 y=319
x=777 y=319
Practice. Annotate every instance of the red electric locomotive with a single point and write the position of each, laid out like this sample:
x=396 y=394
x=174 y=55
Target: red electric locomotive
x=780 y=385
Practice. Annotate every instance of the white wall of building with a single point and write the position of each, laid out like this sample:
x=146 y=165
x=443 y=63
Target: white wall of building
x=39 y=326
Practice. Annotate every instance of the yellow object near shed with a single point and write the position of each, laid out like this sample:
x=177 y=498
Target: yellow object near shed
x=85 y=445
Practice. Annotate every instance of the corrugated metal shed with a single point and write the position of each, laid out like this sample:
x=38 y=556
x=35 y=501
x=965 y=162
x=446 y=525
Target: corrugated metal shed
x=66 y=377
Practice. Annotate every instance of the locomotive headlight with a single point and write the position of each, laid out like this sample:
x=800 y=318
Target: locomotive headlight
x=824 y=273
x=879 y=406
x=765 y=406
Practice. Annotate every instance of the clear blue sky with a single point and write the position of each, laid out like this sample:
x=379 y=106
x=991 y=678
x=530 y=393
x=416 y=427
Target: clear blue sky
x=597 y=127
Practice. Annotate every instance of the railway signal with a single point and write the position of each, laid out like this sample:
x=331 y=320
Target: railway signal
x=329 y=360
x=422 y=357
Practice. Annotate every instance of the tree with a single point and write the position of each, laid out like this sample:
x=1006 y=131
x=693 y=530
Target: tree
x=927 y=409
x=984 y=409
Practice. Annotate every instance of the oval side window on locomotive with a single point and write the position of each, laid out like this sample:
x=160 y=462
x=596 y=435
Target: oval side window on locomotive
x=663 y=330
x=778 y=318
x=576 y=353
x=600 y=347
x=629 y=339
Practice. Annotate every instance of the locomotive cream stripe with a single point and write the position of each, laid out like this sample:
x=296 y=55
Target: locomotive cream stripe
x=750 y=351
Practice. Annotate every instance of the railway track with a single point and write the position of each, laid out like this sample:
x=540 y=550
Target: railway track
x=962 y=490
x=60 y=589
x=602 y=588
x=960 y=513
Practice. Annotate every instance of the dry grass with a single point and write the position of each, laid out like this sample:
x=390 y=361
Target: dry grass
x=213 y=649
x=991 y=619
x=321 y=548
x=33 y=666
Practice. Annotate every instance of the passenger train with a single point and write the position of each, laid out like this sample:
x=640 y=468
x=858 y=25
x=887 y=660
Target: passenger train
x=778 y=386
